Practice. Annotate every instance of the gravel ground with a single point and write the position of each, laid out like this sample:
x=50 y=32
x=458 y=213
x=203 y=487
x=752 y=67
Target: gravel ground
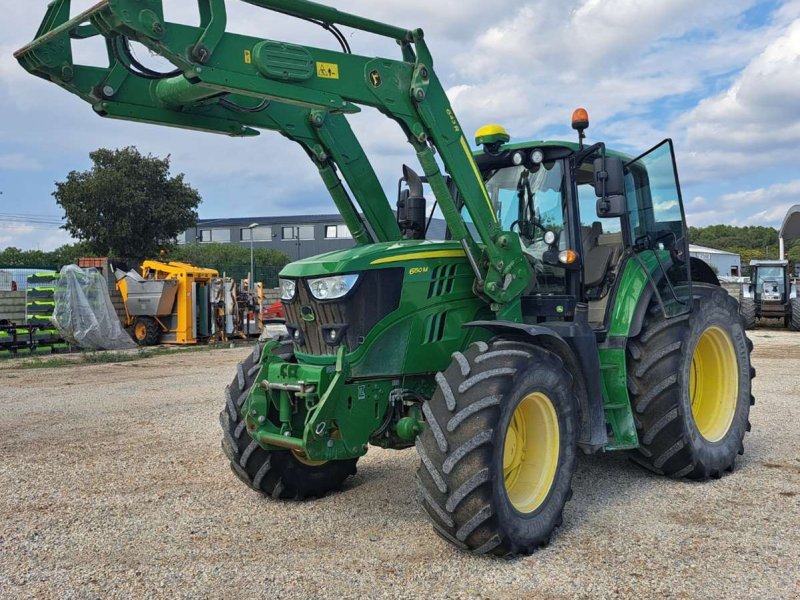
x=113 y=484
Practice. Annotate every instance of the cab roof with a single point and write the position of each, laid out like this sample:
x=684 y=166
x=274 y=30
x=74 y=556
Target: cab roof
x=572 y=146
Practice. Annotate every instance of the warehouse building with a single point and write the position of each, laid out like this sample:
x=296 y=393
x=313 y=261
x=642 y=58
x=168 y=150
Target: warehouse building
x=725 y=264
x=297 y=236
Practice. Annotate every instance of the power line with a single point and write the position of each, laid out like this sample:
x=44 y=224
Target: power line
x=22 y=221
x=30 y=215
x=15 y=218
x=37 y=226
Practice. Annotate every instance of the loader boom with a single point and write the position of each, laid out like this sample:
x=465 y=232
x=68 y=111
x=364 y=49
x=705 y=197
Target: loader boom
x=235 y=84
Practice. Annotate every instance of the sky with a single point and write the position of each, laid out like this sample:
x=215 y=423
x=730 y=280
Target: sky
x=722 y=79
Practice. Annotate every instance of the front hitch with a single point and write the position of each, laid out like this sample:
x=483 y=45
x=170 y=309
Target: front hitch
x=312 y=409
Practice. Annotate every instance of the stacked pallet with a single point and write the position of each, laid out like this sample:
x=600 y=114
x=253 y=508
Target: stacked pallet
x=40 y=299
x=38 y=335
x=19 y=340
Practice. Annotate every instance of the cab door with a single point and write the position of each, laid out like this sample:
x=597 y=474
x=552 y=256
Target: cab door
x=658 y=225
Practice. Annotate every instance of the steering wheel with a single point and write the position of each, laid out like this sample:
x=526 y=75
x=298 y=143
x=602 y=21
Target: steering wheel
x=523 y=228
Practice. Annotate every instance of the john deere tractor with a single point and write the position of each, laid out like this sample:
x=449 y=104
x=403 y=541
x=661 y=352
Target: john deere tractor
x=561 y=313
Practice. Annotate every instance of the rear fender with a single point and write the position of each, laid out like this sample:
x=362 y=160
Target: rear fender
x=701 y=273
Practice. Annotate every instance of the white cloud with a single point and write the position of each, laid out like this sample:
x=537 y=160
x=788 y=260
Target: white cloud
x=742 y=207
x=24 y=235
x=17 y=161
x=756 y=121
x=621 y=59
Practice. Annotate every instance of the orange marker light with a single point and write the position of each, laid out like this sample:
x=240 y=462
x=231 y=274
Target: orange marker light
x=580 y=119
x=568 y=256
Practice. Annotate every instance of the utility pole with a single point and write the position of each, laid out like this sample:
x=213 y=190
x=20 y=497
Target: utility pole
x=251 y=227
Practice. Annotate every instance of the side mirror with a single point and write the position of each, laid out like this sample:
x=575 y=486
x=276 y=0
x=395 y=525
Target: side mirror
x=609 y=187
x=612 y=206
x=411 y=206
x=612 y=173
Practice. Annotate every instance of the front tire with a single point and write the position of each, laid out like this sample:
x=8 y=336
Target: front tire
x=499 y=447
x=747 y=310
x=277 y=473
x=690 y=383
x=795 y=318
x=146 y=331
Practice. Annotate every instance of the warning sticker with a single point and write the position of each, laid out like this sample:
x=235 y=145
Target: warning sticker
x=327 y=70
x=248 y=57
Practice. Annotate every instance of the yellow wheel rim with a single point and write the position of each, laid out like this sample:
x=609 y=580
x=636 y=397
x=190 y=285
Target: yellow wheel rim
x=140 y=331
x=714 y=384
x=301 y=457
x=530 y=453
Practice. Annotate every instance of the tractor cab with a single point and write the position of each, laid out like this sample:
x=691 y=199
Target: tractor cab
x=581 y=214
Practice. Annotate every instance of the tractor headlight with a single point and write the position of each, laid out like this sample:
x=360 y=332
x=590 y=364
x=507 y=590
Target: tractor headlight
x=288 y=288
x=330 y=288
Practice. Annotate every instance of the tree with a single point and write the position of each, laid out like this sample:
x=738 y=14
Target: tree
x=63 y=255
x=68 y=254
x=127 y=205
x=216 y=255
x=753 y=242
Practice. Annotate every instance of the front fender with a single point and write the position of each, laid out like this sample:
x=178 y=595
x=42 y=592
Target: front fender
x=576 y=345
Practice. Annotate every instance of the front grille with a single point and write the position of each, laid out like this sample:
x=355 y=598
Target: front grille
x=320 y=327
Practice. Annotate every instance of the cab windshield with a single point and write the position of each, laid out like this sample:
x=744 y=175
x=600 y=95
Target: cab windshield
x=771 y=275
x=529 y=201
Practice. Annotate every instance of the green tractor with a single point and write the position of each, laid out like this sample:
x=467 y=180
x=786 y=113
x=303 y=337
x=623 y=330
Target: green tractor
x=770 y=294
x=561 y=313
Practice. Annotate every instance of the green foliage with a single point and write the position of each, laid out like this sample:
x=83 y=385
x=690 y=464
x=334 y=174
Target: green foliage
x=226 y=254
x=751 y=243
x=127 y=205
x=68 y=254
x=725 y=237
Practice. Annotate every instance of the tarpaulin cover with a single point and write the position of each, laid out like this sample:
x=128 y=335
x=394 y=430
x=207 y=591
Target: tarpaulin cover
x=84 y=313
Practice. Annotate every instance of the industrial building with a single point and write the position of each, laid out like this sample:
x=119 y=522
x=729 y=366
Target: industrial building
x=297 y=236
x=725 y=264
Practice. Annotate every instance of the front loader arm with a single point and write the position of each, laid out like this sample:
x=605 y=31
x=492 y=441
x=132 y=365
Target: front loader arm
x=216 y=69
x=116 y=92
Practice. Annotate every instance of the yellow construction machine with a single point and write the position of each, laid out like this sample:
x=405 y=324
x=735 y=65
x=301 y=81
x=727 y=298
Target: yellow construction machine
x=168 y=303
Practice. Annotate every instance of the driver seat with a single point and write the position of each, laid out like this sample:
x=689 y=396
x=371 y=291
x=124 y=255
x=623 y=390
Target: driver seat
x=596 y=258
x=595 y=265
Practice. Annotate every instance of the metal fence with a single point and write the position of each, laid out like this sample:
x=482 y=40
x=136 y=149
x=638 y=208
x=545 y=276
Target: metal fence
x=16 y=278
x=268 y=275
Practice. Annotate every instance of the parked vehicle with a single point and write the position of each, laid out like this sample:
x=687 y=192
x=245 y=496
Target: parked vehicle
x=770 y=294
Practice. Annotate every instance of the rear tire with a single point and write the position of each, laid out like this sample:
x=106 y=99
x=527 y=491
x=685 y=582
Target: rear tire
x=689 y=382
x=499 y=447
x=277 y=473
x=795 y=318
x=146 y=331
x=747 y=310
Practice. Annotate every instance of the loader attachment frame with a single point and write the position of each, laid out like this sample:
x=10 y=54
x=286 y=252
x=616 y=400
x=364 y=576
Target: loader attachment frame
x=235 y=84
